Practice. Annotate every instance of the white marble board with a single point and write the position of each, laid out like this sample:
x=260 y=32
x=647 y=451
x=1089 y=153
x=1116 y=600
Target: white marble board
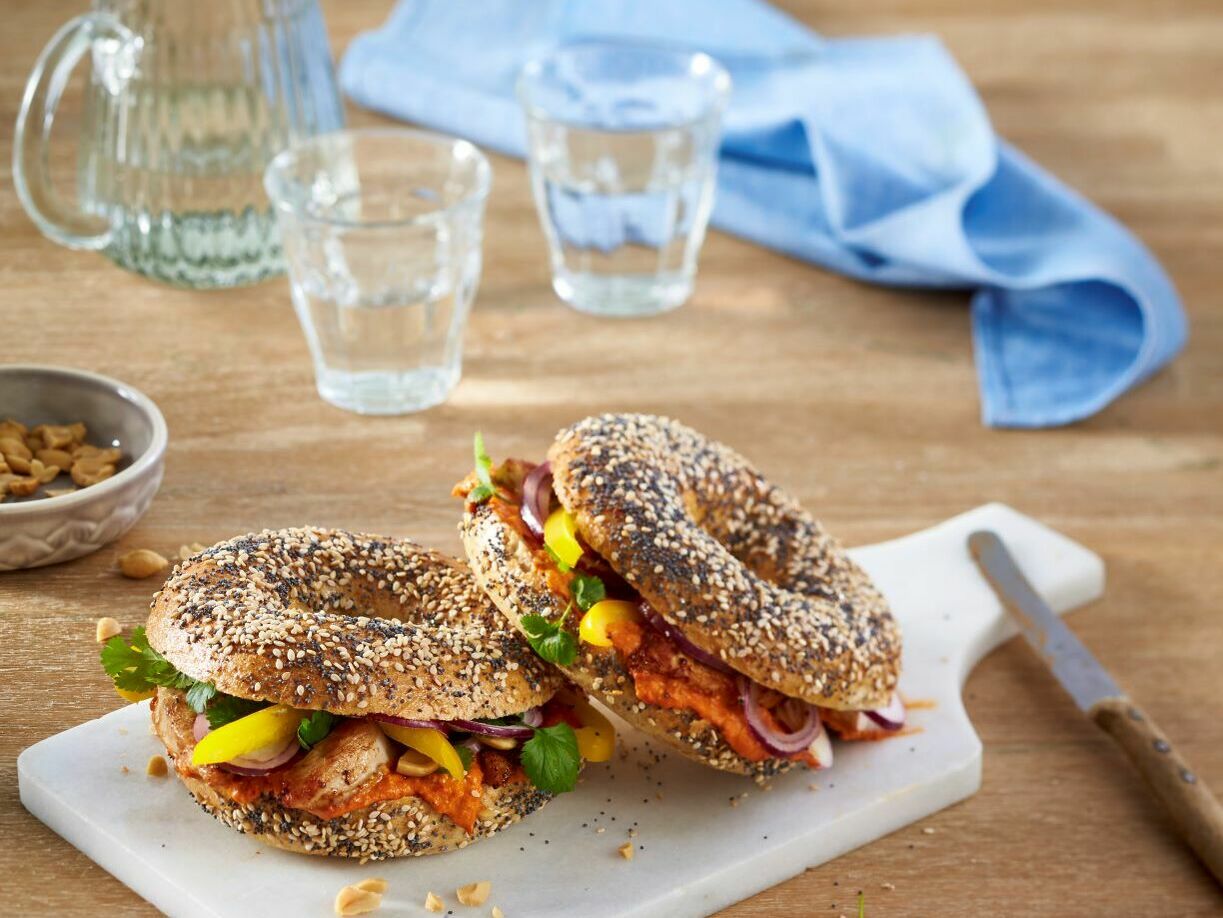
x=696 y=852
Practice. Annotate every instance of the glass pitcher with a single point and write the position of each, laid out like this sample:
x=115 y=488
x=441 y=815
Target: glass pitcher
x=186 y=104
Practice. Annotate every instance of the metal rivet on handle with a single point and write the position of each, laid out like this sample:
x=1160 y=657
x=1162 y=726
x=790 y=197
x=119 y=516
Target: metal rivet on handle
x=1135 y=714
x=1188 y=777
x=1161 y=746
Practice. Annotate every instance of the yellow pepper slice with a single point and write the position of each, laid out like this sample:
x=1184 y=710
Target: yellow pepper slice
x=432 y=743
x=133 y=697
x=597 y=736
x=593 y=629
x=561 y=535
x=272 y=726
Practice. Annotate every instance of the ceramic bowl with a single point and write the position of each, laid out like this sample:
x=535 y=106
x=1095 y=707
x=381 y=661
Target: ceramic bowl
x=47 y=530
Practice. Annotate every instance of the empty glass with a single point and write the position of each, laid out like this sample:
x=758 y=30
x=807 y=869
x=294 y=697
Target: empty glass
x=381 y=231
x=622 y=142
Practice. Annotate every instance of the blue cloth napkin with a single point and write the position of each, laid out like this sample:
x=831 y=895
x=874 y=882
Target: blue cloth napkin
x=872 y=157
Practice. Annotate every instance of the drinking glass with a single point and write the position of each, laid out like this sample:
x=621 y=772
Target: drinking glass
x=622 y=144
x=382 y=233
x=186 y=103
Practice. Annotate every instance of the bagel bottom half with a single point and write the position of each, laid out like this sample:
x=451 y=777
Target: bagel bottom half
x=390 y=828
x=508 y=569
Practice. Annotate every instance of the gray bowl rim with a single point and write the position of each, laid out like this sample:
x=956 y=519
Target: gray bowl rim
x=142 y=464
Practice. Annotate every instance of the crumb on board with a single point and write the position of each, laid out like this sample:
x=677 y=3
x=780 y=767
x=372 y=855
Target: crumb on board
x=105 y=629
x=124 y=769
x=433 y=902
x=927 y=831
x=497 y=913
x=353 y=900
x=626 y=851
x=474 y=893
x=888 y=886
x=156 y=767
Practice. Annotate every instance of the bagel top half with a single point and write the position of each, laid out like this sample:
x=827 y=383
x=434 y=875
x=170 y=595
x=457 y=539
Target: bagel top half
x=351 y=624
x=727 y=557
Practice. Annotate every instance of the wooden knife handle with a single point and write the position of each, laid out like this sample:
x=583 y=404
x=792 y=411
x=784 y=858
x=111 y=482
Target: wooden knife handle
x=1195 y=810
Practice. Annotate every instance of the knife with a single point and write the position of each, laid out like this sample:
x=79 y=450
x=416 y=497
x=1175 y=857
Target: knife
x=1186 y=798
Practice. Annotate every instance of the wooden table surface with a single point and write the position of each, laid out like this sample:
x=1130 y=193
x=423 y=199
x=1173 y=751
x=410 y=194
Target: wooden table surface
x=861 y=400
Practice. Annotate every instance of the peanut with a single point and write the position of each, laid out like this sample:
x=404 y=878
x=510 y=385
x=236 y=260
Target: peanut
x=626 y=851
x=474 y=893
x=373 y=884
x=87 y=475
x=106 y=629
x=433 y=902
x=44 y=474
x=18 y=463
x=141 y=563
x=12 y=428
x=56 y=457
x=54 y=436
x=156 y=767
x=23 y=487
x=14 y=446
x=355 y=901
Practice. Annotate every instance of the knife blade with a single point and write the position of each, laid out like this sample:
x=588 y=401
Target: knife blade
x=1073 y=664
x=1186 y=798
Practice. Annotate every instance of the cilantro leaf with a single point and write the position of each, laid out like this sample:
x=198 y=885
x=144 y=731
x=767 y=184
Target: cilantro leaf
x=549 y=639
x=134 y=666
x=465 y=756
x=227 y=708
x=551 y=760
x=484 y=472
x=199 y=694
x=314 y=728
x=587 y=590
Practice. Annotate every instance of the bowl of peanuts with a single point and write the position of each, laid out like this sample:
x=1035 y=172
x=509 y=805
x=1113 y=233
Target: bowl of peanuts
x=81 y=457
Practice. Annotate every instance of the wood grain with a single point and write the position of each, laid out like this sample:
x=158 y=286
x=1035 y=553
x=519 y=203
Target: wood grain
x=860 y=400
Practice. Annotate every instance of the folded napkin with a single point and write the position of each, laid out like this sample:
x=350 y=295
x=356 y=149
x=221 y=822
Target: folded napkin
x=872 y=157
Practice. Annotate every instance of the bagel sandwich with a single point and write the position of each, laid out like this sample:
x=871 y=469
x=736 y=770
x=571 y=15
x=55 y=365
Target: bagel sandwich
x=670 y=580
x=341 y=694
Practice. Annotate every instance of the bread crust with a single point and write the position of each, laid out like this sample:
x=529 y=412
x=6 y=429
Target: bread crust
x=349 y=623
x=727 y=557
x=504 y=564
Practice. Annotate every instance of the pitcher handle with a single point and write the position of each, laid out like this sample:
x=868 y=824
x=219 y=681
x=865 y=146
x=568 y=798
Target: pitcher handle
x=61 y=223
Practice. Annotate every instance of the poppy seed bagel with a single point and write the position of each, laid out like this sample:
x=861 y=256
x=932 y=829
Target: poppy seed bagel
x=503 y=561
x=352 y=624
x=728 y=558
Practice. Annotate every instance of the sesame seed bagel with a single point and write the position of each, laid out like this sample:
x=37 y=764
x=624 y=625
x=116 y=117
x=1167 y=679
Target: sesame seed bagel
x=391 y=828
x=504 y=563
x=728 y=558
x=352 y=624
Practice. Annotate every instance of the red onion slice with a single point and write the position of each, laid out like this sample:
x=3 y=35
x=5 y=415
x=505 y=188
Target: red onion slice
x=677 y=637
x=201 y=728
x=537 y=497
x=407 y=722
x=504 y=731
x=257 y=764
x=534 y=717
x=821 y=749
x=778 y=743
x=891 y=716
